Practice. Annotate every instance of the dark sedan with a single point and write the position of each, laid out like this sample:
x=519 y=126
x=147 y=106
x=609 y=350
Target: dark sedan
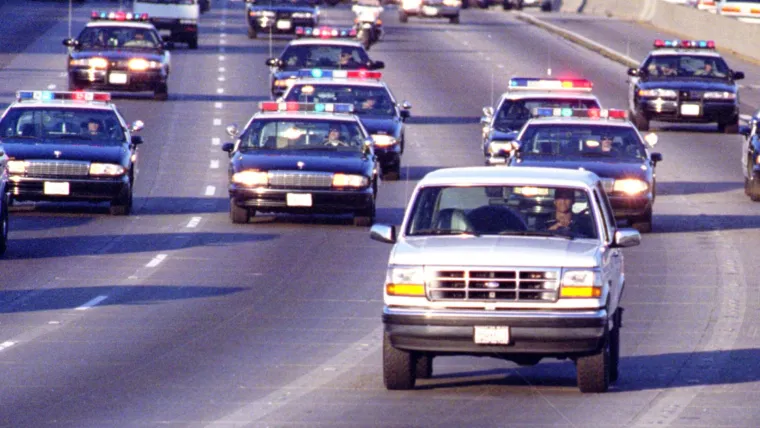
x=279 y=16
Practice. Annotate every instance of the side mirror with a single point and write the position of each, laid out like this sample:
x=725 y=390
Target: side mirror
x=405 y=114
x=137 y=140
x=634 y=72
x=228 y=147
x=488 y=112
x=651 y=139
x=376 y=65
x=274 y=62
x=232 y=130
x=656 y=157
x=405 y=105
x=737 y=75
x=485 y=120
x=367 y=146
x=136 y=126
x=70 y=42
x=626 y=238
x=383 y=233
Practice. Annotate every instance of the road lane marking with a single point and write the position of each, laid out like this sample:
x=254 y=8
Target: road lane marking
x=193 y=223
x=221 y=78
x=216 y=141
x=91 y=303
x=218 y=105
x=217 y=122
x=7 y=344
x=210 y=190
x=51 y=86
x=222 y=69
x=222 y=35
x=220 y=91
x=214 y=164
x=222 y=42
x=156 y=260
x=221 y=58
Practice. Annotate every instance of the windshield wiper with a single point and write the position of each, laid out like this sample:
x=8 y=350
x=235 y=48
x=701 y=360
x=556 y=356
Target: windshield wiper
x=543 y=233
x=445 y=232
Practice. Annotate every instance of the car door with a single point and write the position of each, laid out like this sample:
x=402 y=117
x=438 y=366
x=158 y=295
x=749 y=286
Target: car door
x=612 y=258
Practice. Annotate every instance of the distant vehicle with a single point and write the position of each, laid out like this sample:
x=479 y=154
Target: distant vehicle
x=743 y=10
x=447 y=9
x=176 y=20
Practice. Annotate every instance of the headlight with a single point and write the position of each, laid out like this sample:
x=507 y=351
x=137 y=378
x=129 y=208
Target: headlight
x=188 y=21
x=107 y=169
x=496 y=147
x=631 y=186
x=757 y=160
x=302 y=15
x=405 y=281
x=720 y=96
x=262 y=13
x=140 y=64
x=383 y=140
x=251 y=178
x=17 y=167
x=660 y=93
x=581 y=284
x=411 y=4
x=452 y=3
x=96 y=62
x=349 y=180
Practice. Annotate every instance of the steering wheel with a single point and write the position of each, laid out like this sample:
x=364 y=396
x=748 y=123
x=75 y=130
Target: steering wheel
x=336 y=143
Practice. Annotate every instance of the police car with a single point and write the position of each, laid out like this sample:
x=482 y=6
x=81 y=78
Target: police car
x=601 y=141
x=500 y=126
x=684 y=81
x=302 y=158
x=325 y=48
x=119 y=51
x=447 y=9
x=280 y=16
x=3 y=201
x=373 y=102
x=69 y=146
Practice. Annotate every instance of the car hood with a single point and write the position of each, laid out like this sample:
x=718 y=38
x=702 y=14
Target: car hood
x=350 y=163
x=496 y=135
x=380 y=124
x=689 y=84
x=117 y=55
x=516 y=251
x=83 y=152
x=602 y=168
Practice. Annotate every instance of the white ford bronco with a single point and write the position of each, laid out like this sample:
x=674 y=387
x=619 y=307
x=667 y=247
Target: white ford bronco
x=514 y=263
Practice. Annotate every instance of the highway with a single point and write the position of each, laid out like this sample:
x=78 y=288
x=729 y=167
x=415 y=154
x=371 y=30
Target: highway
x=174 y=316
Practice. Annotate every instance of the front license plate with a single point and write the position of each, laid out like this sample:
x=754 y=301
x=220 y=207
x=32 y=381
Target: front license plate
x=429 y=11
x=117 y=78
x=283 y=25
x=298 y=199
x=491 y=335
x=55 y=188
x=690 y=110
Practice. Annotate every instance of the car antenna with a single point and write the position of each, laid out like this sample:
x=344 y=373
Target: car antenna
x=71 y=6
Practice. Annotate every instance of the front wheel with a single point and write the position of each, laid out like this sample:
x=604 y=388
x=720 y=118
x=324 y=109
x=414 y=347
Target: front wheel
x=161 y=93
x=4 y=226
x=122 y=205
x=730 y=127
x=454 y=19
x=403 y=18
x=593 y=371
x=239 y=215
x=752 y=188
x=399 y=371
x=364 y=38
x=252 y=34
x=193 y=43
x=641 y=122
x=643 y=223
x=365 y=217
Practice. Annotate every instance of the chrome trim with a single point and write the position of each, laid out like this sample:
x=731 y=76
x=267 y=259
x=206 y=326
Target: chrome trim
x=497 y=314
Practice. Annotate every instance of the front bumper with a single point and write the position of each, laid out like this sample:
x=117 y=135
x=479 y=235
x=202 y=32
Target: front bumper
x=431 y=11
x=117 y=80
x=388 y=158
x=545 y=333
x=703 y=112
x=279 y=25
x=80 y=189
x=629 y=207
x=323 y=201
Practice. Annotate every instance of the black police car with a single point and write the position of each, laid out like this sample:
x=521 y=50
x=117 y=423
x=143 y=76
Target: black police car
x=279 y=16
x=3 y=201
x=685 y=81
x=302 y=158
x=119 y=51
x=373 y=102
x=325 y=52
x=600 y=141
x=69 y=146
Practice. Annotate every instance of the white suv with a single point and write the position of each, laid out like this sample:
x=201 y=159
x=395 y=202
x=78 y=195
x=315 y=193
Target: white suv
x=515 y=263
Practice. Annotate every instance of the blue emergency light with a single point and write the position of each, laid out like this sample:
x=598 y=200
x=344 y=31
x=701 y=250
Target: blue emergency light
x=591 y=113
x=537 y=83
x=272 y=106
x=62 y=95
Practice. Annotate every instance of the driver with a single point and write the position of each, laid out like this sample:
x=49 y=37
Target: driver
x=334 y=138
x=563 y=221
x=346 y=58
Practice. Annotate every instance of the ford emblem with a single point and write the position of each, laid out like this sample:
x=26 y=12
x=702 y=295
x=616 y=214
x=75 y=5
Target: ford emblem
x=491 y=284
x=300 y=164
x=57 y=153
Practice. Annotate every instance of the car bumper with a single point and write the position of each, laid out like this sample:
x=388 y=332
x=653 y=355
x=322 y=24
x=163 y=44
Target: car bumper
x=544 y=333
x=671 y=111
x=107 y=79
x=33 y=189
x=388 y=157
x=322 y=201
x=432 y=11
x=626 y=207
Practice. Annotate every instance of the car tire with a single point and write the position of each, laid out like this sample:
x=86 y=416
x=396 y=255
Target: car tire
x=398 y=367
x=392 y=174
x=4 y=226
x=752 y=188
x=546 y=7
x=506 y=5
x=644 y=223
x=252 y=34
x=454 y=19
x=161 y=93
x=641 y=122
x=403 y=18
x=366 y=217
x=593 y=371
x=465 y=4
x=483 y=4
x=729 y=128
x=193 y=43
x=615 y=352
x=122 y=205
x=423 y=367
x=239 y=215
x=519 y=5
x=364 y=38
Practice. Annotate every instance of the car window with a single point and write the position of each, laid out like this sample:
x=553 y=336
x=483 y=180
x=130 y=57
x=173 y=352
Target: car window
x=366 y=100
x=512 y=114
x=664 y=66
x=67 y=126
x=296 y=57
x=502 y=210
x=303 y=135
x=603 y=142
x=117 y=38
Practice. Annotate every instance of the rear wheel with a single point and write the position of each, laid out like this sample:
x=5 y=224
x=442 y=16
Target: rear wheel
x=239 y=215
x=161 y=93
x=193 y=43
x=730 y=127
x=641 y=122
x=73 y=86
x=546 y=6
x=399 y=370
x=506 y=5
x=615 y=351
x=752 y=188
x=4 y=226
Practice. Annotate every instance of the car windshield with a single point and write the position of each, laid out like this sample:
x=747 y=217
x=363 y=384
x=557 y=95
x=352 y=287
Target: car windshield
x=703 y=66
x=305 y=134
x=503 y=210
x=66 y=126
x=513 y=114
x=367 y=100
x=114 y=38
x=569 y=141
x=296 y=57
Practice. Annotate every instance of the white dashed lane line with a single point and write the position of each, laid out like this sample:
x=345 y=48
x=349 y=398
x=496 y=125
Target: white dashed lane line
x=156 y=261
x=221 y=78
x=91 y=303
x=221 y=58
x=218 y=105
x=214 y=164
x=222 y=69
x=216 y=141
x=220 y=91
x=217 y=122
x=193 y=223
x=210 y=190
x=6 y=345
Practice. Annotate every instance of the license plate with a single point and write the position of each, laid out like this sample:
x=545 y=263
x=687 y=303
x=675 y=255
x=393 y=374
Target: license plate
x=117 y=78
x=283 y=25
x=298 y=199
x=429 y=11
x=491 y=335
x=690 y=110
x=55 y=188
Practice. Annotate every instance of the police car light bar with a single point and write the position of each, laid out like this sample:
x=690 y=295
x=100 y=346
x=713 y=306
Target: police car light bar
x=685 y=44
x=117 y=15
x=326 y=32
x=318 y=73
x=62 y=95
x=537 y=83
x=592 y=113
x=307 y=107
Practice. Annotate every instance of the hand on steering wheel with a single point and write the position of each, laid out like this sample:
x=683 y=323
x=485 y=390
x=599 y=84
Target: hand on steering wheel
x=336 y=143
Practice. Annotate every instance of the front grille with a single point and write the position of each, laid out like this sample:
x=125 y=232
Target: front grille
x=518 y=285
x=608 y=184
x=283 y=15
x=691 y=95
x=300 y=179
x=57 y=169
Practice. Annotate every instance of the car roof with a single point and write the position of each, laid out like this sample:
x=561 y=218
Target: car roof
x=325 y=42
x=340 y=81
x=97 y=105
x=123 y=24
x=305 y=115
x=692 y=52
x=579 y=121
x=524 y=176
x=560 y=95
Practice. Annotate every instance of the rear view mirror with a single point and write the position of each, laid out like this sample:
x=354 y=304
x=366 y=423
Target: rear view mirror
x=737 y=75
x=656 y=157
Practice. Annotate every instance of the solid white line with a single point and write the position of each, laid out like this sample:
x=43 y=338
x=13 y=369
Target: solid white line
x=218 y=105
x=220 y=90
x=210 y=190
x=216 y=141
x=214 y=164
x=217 y=122
x=5 y=345
x=91 y=303
x=193 y=223
x=222 y=35
x=156 y=260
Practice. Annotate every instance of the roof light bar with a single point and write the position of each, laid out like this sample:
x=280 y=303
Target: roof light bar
x=270 y=106
x=319 y=73
x=63 y=95
x=537 y=83
x=118 y=15
x=684 y=44
x=592 y=113
x=326 y=32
